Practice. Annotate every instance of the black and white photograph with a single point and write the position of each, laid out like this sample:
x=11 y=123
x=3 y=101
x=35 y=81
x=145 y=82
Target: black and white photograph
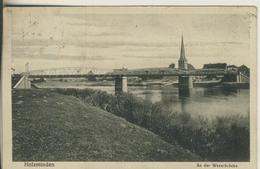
x=132 y=84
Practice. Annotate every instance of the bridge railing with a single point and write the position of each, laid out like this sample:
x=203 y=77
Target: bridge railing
x=154 y=72
x=197 y=72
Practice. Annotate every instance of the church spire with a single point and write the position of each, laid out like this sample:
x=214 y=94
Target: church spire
x=182 y=55
x=183 y=63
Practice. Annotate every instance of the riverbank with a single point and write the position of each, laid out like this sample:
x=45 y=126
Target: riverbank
x=48 y=126
x=215 y=139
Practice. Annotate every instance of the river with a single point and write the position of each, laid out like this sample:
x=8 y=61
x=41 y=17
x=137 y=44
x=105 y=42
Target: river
x=209 y=102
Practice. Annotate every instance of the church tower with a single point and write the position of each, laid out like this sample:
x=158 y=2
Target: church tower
x=183 y=63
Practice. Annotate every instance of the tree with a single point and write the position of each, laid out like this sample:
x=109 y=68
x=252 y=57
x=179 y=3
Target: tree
x=172 y=65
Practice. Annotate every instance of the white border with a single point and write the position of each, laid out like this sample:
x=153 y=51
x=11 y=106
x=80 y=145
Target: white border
x=131 y=2
x=144 y=2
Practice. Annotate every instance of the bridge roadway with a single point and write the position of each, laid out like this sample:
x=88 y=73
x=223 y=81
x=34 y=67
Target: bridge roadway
x=135 y=73
x=120 y=76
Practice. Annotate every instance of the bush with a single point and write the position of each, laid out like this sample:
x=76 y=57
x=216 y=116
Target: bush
x=221 y=139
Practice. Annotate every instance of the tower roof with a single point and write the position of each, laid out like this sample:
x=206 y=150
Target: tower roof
x=182 y=55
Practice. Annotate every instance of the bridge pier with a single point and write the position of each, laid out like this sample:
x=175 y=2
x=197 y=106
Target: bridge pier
x=27 y=82
x=233 y=78
x=238 y=77
x=185 y=86
x=24 y=82
x=185 y=82
x=120 y=85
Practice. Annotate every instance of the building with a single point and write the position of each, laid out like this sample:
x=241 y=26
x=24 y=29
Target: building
x=219 y=66
x=232 y=68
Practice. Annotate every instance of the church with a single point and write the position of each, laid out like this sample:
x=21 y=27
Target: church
x=183 y=62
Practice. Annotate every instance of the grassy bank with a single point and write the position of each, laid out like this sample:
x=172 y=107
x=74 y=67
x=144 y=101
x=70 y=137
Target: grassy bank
x=48 y=126
x=221 y=139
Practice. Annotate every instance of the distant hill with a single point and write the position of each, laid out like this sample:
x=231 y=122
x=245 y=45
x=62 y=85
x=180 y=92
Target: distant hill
x=52 y=127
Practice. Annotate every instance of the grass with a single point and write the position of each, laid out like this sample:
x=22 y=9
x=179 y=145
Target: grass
x=48 y=126
x=221 y=139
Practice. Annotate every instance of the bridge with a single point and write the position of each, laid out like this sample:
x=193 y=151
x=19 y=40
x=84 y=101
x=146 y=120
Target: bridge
x=120 y=76
x=134 y=73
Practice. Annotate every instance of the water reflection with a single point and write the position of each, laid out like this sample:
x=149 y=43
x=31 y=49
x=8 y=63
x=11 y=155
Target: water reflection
x=184 y=92
x=210 y=102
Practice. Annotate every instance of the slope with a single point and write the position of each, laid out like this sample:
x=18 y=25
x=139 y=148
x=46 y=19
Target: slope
x=52 y=127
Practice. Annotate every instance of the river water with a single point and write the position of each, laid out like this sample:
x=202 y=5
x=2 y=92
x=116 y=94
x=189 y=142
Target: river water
x=209 y=102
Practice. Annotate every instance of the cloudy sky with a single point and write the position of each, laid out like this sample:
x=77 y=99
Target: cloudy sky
x=128 y=37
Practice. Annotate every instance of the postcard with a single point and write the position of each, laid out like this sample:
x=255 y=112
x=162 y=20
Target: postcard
x=129 y=87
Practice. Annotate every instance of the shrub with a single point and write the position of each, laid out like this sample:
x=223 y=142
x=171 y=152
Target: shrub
x=221 y=139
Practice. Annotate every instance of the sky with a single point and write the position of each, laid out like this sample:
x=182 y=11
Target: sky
x=128 y=37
